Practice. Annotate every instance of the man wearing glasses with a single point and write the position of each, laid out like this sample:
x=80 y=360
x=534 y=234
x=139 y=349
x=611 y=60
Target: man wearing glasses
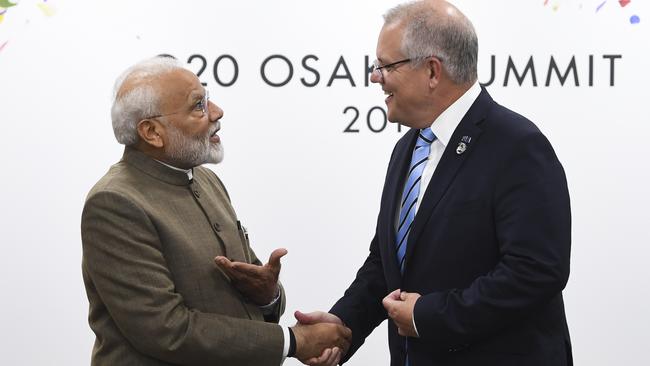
x=168 y=268
x=472 y=245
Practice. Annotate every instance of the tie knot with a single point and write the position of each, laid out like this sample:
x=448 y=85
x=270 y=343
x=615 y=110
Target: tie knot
x=425 y=137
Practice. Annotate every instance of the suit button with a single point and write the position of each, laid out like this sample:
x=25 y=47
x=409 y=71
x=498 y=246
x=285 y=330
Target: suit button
x=216 y=227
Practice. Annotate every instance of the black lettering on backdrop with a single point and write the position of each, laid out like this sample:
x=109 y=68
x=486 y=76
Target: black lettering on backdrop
x=356 y=116
x=384 y=120
x=492 y=71
x=263 y=71
x=530 y=66
x=611 y=66
x=335 y=74
x=308 y=68
x=204 y=63
x=368 y=70
x=371 y=126
x=552 y=66
x=591 y=70
x=215 y=70
x=572 y=69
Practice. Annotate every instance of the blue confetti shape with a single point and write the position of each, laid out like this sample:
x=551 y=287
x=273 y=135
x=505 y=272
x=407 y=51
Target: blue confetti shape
x=634 y=19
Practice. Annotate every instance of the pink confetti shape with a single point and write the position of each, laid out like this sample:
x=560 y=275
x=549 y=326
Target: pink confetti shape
x=3 y=45
x=545 y=2
x=624 y=2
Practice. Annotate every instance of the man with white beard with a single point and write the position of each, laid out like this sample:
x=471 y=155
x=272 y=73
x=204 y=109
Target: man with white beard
x=168 y=268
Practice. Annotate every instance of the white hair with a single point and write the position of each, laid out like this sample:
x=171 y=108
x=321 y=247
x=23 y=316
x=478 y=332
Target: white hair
x=142 y=100
x=428 y=31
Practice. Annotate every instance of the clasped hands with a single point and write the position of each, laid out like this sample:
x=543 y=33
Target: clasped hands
x=317 y=342
x=321 y=338
x=398 y=304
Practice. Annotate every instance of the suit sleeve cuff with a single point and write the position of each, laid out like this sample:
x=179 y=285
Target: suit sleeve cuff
x=270 y=308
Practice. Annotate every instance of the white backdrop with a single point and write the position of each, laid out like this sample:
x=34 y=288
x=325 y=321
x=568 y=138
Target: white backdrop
x=296 y=178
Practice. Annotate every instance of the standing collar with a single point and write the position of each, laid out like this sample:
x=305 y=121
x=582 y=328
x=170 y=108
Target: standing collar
x=186 y=171
x=443 y=126
x=155 y=168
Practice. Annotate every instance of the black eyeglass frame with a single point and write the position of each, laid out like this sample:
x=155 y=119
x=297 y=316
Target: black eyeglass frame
x=391 y=66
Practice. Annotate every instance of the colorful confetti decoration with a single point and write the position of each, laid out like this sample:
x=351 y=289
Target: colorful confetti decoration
x=6 y=4
x=3 y=45
x=624 y=5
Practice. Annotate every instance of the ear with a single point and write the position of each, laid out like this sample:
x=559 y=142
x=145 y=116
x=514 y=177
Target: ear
x=434 y=68
x=151 y=132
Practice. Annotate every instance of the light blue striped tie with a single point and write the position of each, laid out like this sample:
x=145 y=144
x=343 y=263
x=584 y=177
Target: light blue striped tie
x=411 y=192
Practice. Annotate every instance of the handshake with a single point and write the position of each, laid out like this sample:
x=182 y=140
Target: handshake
x=321 y=338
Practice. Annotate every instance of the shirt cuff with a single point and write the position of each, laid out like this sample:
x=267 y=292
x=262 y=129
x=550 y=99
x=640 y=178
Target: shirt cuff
x=285 y=350
x=269 y=309
x=414 y=326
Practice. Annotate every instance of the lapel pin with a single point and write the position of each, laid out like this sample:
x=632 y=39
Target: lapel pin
x=462 y=145
x=461 y=148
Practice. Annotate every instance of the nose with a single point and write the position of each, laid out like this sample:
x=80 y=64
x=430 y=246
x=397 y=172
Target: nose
x=214 y=112
x=375 y=77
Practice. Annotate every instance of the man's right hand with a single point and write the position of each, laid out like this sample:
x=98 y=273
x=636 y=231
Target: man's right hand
x=312 y=341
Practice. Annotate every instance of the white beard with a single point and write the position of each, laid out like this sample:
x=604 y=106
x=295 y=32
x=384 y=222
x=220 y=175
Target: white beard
x=185 y=151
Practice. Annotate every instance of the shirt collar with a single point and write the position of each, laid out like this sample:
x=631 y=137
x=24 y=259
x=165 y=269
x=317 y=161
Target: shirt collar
x=443 y=127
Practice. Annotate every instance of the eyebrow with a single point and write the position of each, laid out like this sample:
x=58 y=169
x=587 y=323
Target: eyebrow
x=196 y=95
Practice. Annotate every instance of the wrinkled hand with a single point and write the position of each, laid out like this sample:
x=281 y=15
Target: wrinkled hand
x=257 y=283
x=400 y=305
x=330 y=356
x=314 y=341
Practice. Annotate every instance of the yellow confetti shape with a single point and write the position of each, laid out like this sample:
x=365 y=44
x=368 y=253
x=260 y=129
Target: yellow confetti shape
x=2 y=17
x=47 y=9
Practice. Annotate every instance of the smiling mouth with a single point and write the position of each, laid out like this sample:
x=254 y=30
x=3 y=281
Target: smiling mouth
x=389 y=96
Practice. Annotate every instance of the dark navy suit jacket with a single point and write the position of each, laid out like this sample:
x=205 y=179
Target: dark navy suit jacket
x=488 y=251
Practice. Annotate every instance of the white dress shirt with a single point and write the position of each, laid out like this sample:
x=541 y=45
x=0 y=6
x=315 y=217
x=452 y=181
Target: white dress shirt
x=443 y=127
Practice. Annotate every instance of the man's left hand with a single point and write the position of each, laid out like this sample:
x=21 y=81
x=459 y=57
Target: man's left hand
x=257 y=283
x=400 y=305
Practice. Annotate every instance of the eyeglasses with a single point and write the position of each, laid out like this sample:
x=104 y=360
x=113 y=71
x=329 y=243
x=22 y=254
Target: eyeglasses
x=377 y=69
x=201 y=105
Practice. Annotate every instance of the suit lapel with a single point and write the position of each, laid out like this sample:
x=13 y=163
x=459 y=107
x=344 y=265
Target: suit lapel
x=449 y=165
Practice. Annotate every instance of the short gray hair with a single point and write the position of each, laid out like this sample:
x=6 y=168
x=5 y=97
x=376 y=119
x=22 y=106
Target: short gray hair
x=431 y=32
x=142 y=100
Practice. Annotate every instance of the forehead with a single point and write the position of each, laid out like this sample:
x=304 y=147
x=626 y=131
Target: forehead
x=389 y=43
x=179 y=86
